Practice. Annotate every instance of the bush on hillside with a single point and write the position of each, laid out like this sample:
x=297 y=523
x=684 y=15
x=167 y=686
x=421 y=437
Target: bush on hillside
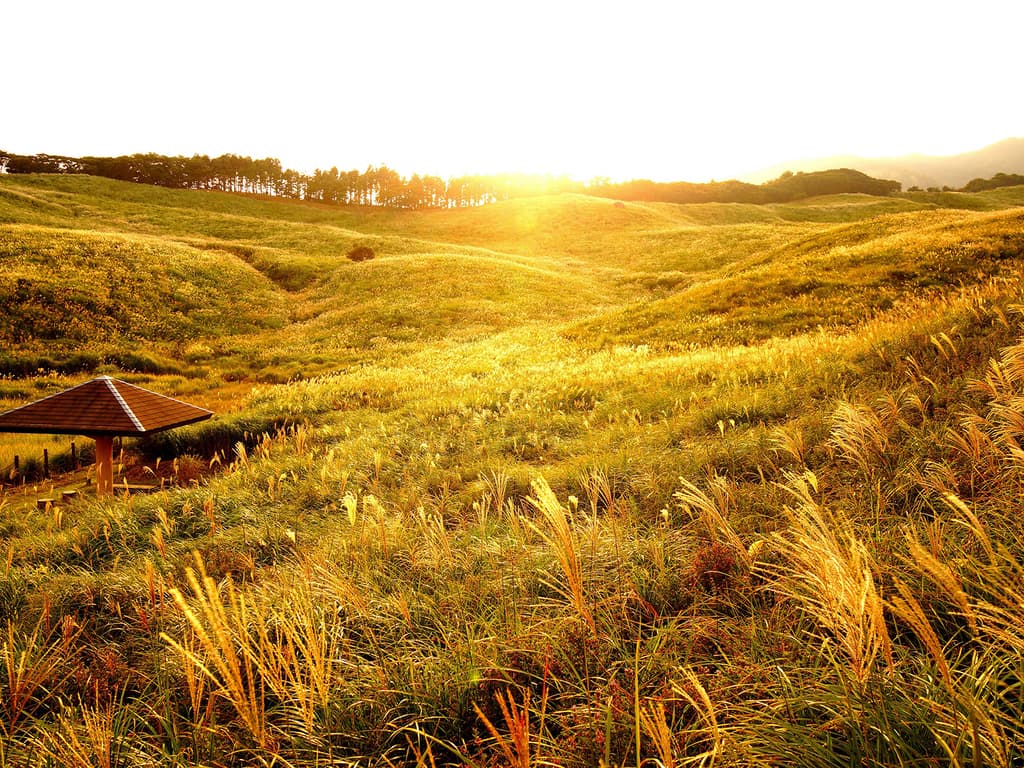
x=997 y=181
x=361 y=253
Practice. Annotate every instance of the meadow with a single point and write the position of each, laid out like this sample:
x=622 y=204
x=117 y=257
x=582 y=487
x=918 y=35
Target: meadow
x=546 y=482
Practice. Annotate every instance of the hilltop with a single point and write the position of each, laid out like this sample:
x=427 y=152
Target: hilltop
x=555 y=480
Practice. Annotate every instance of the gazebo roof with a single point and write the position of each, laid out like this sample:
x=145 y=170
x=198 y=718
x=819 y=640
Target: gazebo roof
x=102 y=406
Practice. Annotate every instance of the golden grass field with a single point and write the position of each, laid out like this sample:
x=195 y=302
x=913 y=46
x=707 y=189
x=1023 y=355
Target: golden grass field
x=546 y=482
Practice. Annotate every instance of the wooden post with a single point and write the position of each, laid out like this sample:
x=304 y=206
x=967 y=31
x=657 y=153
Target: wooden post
x=74 y=455
x=46 y=463
x=104 y=465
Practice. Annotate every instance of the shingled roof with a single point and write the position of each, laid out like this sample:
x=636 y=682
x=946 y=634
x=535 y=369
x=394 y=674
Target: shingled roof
x=102 y=406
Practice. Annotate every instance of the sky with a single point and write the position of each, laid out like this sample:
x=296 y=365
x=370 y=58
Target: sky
x=663 y=90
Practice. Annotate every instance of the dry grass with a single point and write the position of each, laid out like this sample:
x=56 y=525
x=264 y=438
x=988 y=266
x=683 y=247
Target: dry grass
x=560 y=533
x=719 y=486
x=33 y=669
x=828 y=570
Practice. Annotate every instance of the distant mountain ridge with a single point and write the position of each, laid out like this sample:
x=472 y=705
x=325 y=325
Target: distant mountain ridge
x=923 y=171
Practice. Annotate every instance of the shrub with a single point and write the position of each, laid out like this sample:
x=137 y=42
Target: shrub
x=361 y=253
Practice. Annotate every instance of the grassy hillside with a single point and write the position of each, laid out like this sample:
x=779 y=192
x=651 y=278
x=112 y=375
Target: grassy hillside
x=545 y=482
x=76 y=286
x=832 y=281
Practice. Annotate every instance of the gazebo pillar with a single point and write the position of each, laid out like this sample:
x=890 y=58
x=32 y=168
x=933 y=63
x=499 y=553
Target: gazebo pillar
x=104 y=465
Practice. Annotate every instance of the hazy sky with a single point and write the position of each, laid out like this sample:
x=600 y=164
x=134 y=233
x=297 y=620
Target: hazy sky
x=627 y=89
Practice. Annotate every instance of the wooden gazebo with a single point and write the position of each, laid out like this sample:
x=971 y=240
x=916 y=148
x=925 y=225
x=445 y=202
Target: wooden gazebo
x=102 y=408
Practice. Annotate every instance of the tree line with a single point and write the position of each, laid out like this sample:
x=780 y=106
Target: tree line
x=383 y=186
x=997 y=181
x=787 y=187
x=379 y=186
